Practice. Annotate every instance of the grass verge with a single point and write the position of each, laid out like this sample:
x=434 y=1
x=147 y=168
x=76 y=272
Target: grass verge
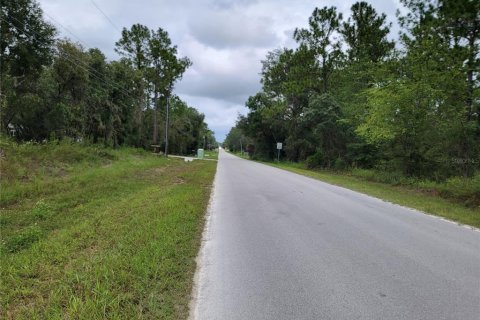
x=418 y=199
x=91 y=233
x=211 y=154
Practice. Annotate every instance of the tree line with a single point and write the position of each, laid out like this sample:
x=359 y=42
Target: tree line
x=55 y=88
x=349 y=96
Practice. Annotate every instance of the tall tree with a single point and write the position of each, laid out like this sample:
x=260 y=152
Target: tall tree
x=366 y=32
x=26 y=45
x=72 y=80
x=368 y=50
x=289 y=77
x=164 y=70
x=442 y=43
x=320 y=38
x=134 y=45
x=126 y=92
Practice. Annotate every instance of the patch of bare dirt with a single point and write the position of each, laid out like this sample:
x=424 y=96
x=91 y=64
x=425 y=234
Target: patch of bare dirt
x=178 y=180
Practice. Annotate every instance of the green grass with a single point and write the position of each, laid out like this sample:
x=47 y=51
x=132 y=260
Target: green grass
x=92 y=233
x=211 y=154
x=463 y=190
x=419 y=196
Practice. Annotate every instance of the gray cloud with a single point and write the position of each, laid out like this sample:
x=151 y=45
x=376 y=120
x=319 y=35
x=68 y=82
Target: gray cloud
x=229 y=4
x=221 y=87
x=221 y=114
x=233 y=29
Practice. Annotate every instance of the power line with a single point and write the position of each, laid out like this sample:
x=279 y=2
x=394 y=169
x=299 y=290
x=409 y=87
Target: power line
x=84 y=67
x=75 y=36
x=106 y=17
x=66 y=29
x=77 y=62
x=80 y=40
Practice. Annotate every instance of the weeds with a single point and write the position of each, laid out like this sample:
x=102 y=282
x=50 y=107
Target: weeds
x=23 y=239
x=463 y=190
x=93 y=233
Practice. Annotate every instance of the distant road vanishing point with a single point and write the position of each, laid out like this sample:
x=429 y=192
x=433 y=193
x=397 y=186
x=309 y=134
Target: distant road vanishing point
x=282 y=246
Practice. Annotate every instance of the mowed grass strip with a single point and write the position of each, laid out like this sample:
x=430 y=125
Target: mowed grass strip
x=114 y=240
x=401 y=195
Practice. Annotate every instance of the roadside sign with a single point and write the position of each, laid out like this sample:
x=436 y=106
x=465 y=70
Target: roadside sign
x=279 y=147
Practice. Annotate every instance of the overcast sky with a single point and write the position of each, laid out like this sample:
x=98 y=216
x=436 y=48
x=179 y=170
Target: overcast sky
x=225 y=39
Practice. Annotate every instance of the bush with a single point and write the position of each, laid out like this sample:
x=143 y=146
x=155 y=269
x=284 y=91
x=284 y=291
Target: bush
x=316 y=160
x=466 y=190
x=339 y=164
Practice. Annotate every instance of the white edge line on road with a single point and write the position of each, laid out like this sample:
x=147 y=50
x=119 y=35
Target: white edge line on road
x=200 y=259
x=459 y=224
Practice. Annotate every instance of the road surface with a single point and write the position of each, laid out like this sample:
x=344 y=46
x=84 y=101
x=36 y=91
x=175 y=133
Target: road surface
x=278 y=245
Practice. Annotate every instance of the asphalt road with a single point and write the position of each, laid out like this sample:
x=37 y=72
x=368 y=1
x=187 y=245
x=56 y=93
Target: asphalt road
x=278 y=245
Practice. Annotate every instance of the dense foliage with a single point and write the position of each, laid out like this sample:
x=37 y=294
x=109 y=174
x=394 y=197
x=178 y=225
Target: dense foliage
x=55 y=88
x=347 y=96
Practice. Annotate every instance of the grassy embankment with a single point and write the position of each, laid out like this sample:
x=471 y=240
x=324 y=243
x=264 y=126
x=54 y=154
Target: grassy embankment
x=93 y=233
x=457 y=199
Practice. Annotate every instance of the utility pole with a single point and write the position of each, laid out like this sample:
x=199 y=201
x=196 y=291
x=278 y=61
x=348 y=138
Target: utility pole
x=166 y=128
x=155 y=122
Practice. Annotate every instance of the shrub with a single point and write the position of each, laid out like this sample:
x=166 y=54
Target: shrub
x=316 y=160
x=339 y=164
x=466 y=190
